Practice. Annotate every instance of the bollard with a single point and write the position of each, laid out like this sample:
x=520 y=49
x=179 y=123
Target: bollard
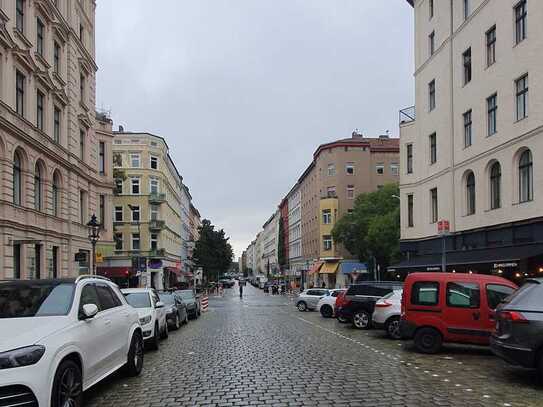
x=205 y=303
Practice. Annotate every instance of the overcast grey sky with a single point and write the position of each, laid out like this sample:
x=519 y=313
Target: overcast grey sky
x=245 y=90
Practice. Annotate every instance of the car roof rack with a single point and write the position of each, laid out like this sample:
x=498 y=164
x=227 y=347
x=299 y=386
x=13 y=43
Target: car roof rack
x=89 y=276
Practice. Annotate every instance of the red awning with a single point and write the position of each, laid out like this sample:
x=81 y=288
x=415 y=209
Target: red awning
x=112 y=272
x=173 y=270
x=316 y=267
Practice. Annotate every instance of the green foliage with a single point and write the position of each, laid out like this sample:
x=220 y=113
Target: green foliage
x=373 y=229
x=212 y=251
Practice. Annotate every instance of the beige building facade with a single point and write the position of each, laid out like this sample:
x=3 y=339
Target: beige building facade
x=53 y=170
x=469 y=155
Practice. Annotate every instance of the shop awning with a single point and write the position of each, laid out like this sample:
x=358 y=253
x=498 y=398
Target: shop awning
x=316 y=267
x=114 y=272
x=499 y=257
x=173 y=270
x=348 y=267
x=329 y=267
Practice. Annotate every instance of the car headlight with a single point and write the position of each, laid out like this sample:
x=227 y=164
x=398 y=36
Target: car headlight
x=145 y=320
x=27 y=356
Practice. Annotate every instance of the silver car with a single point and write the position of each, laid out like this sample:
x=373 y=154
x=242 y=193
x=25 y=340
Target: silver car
x=308 y=299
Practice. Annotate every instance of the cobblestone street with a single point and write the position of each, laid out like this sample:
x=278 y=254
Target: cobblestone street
x=262 y=351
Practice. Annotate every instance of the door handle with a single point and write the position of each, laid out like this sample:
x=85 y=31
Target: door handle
x=477 y=316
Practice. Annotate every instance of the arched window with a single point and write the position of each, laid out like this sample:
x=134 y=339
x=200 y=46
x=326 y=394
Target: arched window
x=526 y=177
x=17 y=180
x=56 y=194
x=38 y=188
x=470 y=193
x=495 y=185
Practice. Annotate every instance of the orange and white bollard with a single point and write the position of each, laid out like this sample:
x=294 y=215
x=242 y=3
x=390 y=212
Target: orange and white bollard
x=205 y=303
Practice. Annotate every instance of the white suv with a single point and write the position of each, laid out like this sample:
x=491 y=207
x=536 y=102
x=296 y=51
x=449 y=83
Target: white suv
x=308 y=299
x=327 y=305
x=152 y=314
x=60 y=337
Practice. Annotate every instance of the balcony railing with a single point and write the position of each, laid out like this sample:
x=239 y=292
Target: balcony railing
x=408 y=115
x=157 y=224
x=156 y=198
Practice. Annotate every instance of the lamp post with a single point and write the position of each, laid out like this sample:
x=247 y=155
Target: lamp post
x=94 y=236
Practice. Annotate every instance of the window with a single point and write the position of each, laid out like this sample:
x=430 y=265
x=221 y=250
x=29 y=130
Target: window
x=118 y=186
x=425 y=293
x=135 y=213
x=326 y=216
x=154 y=186
x=20 y=93
x=466 y=60
x=56 y=194
x=82 y=144
x=82 y=87
x=526 y=177
x=81 y=32
x=56 y=125
x=434 y=207
x=409 y=152
x=467 y=128
x=495 y=185
x=136 y=241
x=491 y=46
x=327 y=242
x=432 y=95
x=395 y=169
x=108 y=299
x=466 y=9
x=431 y=8
x=118 y=241
x=17 y=261
x=521 y=16
x=88 y=296
x=349 y=168
x=154 y=212
x=135 y=160
x=410 y=222
x=56 y=57
x=83 y=207
x=433 y=148
x=118 y=214
x=102 y=157
x=432 y=43
x=463 y=295
x=470 y=194
x=522 y=97
x=496 y=294
x=331 y=192
x=331 y=170
x=102 y=211
x=350 y=191
x=20 y=15
x=40 y=28
x=17 y=180
x=135 y=186
x=154 y=163
x=39 y=110
x=380 y=168
x=492 y=113
x=154 y=241
x=38 y=188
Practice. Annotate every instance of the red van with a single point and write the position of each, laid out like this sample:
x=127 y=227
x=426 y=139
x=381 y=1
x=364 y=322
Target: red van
x=451 y=307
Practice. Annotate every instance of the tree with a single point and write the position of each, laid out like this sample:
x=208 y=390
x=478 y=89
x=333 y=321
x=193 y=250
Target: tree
x=373 y=228
x=212 y=251
x=281 y=252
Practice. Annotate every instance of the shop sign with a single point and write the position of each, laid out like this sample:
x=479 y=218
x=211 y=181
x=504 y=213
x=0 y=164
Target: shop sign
x=433 y=268
x=505 y=265
x=155 y=264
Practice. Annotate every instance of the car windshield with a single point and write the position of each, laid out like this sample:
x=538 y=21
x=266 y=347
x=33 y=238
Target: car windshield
x=167 y=299
x=186 y=295
x=24 y=300
x=138 y=300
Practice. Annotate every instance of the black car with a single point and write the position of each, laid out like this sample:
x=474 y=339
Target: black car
x=191 y=301
x=360 y=299
x=519 y=327
x=176 y=310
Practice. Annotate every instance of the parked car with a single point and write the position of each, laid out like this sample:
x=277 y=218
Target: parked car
x=152 y=314
x=326 y=305
x=227 y=282
x=340 y=300
x=61 y=337
x=451 y=307
x=308 y=299
x=192 y=303
x=359 y=302
x=387 y=314
x=176 y=310
x=518 y=338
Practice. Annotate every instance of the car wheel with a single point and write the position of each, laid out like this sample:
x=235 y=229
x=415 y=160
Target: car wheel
x=153 y=344
x=134 y=360
x=177 y=324
x=392 y=327
x=428 y=340
x=327 y=311
x=67 y=386
x=165 y=332
x=186 y=317
x=302 y=306
x=361 y=320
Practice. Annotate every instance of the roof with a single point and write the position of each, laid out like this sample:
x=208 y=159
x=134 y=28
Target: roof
x=384 y=145
x=464 y=276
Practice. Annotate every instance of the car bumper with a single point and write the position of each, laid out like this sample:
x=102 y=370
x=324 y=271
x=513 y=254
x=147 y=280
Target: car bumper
x=407 y=329
x=378 y=325
x=513 y=354
x=34 y=379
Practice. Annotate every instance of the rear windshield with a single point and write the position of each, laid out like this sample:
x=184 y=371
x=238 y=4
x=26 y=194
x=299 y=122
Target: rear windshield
x=528 y=297
x=138 y=300
x=35 y=300
x=372 y=290
x=186 y=295
x=167 y=299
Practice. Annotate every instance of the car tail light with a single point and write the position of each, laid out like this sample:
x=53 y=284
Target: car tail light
x=513 y=316
x=383 y=304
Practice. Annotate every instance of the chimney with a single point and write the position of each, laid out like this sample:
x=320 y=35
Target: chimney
x=356 y=134
x=121 y=129
x=385 y=136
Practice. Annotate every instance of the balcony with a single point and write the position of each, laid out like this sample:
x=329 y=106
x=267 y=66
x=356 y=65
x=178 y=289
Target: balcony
x=157 y=224
x=156 y=198
x=408 y=115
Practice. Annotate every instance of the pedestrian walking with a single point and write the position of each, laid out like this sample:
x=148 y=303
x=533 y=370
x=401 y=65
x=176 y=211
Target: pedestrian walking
x=240 y=290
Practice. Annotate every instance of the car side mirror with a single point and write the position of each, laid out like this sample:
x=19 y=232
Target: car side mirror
x=159 y=304
x=89 y=311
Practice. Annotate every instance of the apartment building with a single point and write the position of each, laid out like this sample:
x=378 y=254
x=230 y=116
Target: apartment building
x=186 y=238
x=295 y=255
x=270 y=236
x=51 y=176
x=469 y=153
x=147 y=213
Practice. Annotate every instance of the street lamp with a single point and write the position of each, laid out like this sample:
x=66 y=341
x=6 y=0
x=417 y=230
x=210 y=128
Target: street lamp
x=94 y=236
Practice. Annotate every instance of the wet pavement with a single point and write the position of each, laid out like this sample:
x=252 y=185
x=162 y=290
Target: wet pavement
x=261 y=351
